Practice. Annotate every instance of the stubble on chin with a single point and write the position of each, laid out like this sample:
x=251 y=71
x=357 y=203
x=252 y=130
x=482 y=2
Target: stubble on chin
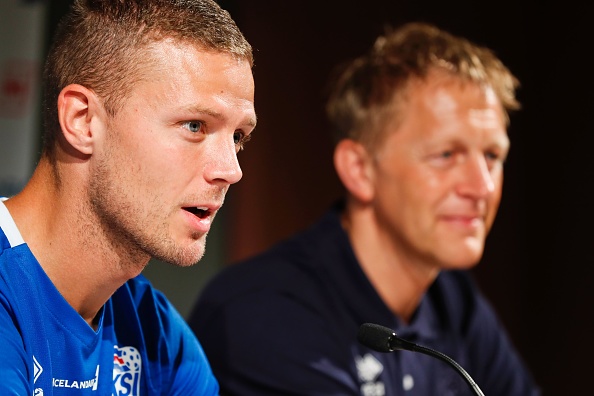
x=178 y=255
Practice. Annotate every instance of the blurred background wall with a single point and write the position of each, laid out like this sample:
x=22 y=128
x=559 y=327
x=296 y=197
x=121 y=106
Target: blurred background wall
x=537 y=269
x=22 y=43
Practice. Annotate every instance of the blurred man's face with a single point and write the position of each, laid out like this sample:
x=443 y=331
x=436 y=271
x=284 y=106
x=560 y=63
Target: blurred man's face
x=438 y=176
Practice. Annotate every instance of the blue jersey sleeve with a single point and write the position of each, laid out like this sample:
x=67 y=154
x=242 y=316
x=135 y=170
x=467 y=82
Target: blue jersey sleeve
x=183 y=366
x=14 y=370
x=192 y=374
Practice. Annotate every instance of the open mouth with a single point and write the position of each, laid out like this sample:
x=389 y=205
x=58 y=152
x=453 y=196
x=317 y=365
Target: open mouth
x=198 y=212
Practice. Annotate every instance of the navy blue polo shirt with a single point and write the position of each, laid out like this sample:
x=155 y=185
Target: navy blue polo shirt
x=285 y=323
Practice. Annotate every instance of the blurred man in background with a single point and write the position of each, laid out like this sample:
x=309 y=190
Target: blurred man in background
x=421 y=140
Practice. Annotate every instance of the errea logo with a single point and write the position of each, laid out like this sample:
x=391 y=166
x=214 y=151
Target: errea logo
x=37 y=369
x=368 y=369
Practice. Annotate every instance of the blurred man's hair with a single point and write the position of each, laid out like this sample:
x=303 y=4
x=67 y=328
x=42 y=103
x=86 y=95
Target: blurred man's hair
x=365 y=93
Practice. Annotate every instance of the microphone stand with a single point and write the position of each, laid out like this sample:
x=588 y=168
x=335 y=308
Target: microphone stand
x=409 y=346
x=383 y=339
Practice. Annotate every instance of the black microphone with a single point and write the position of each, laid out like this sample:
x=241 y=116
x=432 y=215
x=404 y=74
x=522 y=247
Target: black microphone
x=383 y=339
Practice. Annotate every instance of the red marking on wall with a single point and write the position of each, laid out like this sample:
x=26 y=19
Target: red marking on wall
x=17 y=84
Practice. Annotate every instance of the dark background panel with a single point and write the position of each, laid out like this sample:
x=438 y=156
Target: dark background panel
x=537 y=269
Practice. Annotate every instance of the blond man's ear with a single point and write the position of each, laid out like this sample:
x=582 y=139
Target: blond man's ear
x=354 y=168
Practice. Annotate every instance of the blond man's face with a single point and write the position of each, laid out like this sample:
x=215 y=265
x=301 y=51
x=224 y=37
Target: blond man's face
x=438 y=176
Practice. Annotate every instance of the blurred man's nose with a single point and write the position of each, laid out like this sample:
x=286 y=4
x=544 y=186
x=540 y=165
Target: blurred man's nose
x=476 y=180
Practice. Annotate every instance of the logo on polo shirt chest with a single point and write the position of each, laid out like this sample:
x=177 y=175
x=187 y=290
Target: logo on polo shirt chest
x=368 y=370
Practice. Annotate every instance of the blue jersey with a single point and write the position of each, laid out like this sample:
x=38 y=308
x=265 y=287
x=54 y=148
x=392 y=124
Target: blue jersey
x=285 y=322
x=142 y=345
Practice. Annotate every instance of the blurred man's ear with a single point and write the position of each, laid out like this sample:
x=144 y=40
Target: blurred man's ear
x=354 y=168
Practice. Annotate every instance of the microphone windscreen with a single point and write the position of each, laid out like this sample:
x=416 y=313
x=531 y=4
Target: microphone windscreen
x=375 y=337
